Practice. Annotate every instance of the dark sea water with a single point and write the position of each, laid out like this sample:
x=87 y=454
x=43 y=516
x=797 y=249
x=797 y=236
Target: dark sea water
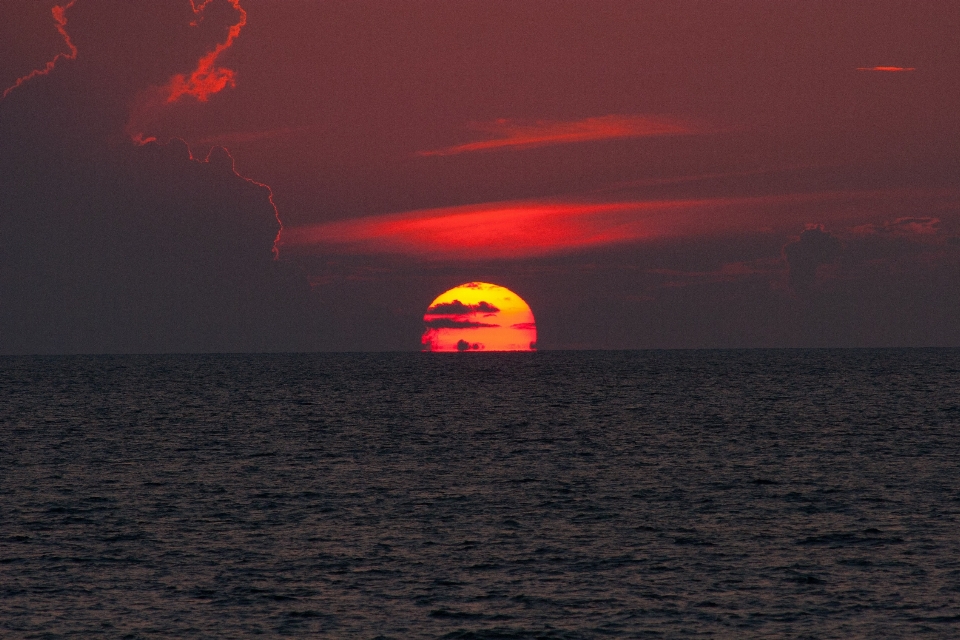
x=730 y=494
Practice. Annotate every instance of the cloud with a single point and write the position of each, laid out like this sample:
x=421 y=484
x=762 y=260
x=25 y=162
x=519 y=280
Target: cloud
x=887 y=69
x=449 y=323
x=529 y=228
x=450 y=315
x=463 y=345
x=106 y=246
x=510 y=134
x=161 y=253
x=727 y=272
x=457 y=308
x=908 y=226
x=60 y=18
x=485 y=231
x=240 y=137
x=815 y=247
x=206 y=79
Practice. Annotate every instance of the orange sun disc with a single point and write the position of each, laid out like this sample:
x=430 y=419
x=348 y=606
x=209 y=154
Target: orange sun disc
x=478 y=316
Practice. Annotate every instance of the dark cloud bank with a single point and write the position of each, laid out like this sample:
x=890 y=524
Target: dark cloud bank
x=106 y=246
x=815 y=247
x=149 y=251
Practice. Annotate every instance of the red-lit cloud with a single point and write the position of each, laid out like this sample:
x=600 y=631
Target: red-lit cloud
x=518 y=135
x=887 y=69
x=60 y=18
x=208 y=79
x=204 y=81
x=918 y=226
x=496 y=230
x=528 y=228
x=506 y=230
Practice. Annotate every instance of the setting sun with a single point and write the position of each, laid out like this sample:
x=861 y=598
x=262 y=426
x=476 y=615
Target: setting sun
x=478 y=316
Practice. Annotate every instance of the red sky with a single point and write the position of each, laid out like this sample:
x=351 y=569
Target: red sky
x=635 y=170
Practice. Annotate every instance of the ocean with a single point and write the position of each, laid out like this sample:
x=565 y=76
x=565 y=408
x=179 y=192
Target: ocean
x=668 y=494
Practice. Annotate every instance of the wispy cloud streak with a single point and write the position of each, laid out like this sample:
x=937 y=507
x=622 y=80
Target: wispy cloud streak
x=60 y=18
x=496 y=230
x=887 y=69
x=506 y=230
x=511 y=230
x=510 y=134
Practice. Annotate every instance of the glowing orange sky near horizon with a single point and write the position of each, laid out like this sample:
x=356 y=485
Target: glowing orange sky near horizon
x=479 y=316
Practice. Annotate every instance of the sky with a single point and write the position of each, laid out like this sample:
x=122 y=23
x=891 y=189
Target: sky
x=289 y=175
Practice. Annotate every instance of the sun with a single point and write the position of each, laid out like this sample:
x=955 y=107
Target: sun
x=479 y=316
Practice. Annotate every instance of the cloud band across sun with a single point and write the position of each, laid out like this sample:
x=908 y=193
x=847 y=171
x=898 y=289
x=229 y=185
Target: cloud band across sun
x=512 y=134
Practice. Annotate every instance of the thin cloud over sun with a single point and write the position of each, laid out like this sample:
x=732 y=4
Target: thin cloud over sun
x=511 y=134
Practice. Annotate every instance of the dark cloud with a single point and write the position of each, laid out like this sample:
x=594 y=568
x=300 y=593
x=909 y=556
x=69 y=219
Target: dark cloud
x=908 y=226
x=457 y=308
x=463 y=345
x=815 y=247
x=163 y=253
x=923 y=226
x=110 y=247
x=448 y=323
